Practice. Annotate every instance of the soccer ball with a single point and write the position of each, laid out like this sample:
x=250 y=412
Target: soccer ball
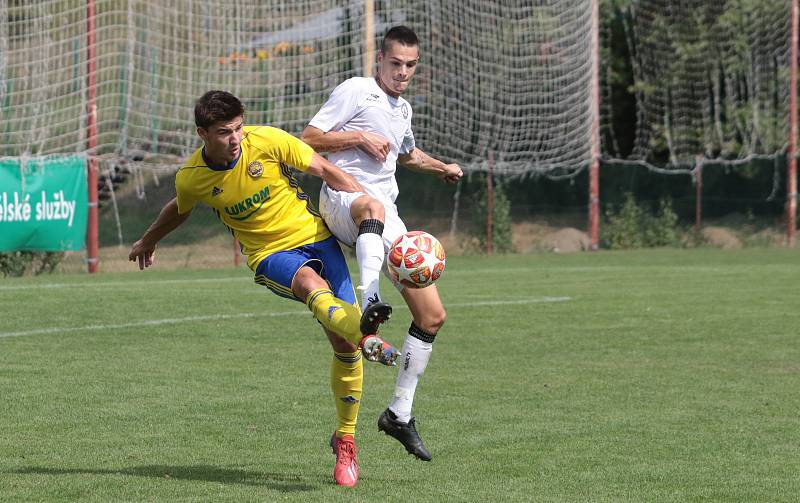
x=415 y=259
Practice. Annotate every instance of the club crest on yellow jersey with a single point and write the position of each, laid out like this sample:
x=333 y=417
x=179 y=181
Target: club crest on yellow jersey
x=255 y=169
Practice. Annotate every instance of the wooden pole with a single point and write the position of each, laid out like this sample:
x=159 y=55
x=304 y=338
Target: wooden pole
x=368 y=60
x=92 y=234
x=237 y=255
x=698 y=197
x=454 y=217
x=594 y=166
x=489 y=205
x=791 y=151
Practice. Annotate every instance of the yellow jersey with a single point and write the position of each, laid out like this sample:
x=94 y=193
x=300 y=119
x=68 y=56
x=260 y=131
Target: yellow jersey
x=256 y=196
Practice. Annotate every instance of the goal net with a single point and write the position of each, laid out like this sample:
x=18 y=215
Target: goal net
x=507 y=79
x=711 y=79
x=507 y=76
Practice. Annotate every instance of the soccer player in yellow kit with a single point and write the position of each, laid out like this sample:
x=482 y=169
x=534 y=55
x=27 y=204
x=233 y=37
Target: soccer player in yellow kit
x=242 y=173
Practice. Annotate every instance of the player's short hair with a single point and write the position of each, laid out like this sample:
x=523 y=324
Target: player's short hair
x=216 y=106
x=400 y=34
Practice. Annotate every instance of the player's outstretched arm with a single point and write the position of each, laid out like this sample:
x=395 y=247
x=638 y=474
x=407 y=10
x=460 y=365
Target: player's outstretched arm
x=333 y=141
x=417 y=160
x=332 y=175
x=144 y=249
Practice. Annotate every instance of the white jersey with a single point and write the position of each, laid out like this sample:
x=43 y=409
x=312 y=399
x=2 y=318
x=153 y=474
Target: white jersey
x=359 y=104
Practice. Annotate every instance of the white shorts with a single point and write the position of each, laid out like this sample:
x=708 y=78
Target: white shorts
x=335 y=209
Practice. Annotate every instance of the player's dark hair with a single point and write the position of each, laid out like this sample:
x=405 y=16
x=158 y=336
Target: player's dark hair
x=216 y=106
x=400 y=34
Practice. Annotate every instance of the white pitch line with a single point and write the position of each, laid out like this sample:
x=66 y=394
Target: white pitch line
x=93 y=285
x=147 y=323
x=135 y=283
x=217 y=317
x=540 y=300
x=243 y=277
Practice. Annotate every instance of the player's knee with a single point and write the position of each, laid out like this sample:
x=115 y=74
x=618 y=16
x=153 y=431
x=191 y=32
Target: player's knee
x=368 y=208
x=439 y=320
x=305 y=281
x=376 y=209
x=432 y=322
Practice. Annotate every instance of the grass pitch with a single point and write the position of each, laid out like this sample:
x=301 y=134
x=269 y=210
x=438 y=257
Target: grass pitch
x=607 y=377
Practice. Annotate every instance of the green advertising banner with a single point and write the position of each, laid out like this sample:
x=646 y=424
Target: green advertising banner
x=43 y=204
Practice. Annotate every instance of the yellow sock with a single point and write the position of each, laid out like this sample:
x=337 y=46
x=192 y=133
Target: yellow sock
x=335 y=314
x=347 y=377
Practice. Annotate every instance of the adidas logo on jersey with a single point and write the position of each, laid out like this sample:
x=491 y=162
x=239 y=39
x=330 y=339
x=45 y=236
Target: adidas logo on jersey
x=216 y=191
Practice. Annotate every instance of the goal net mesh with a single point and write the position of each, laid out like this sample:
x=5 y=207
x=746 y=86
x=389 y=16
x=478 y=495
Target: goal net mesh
x=711 y=79
x=510 y=76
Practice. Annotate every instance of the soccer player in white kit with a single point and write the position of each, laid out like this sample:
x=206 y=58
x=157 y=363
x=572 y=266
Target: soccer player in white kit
x=365 y=127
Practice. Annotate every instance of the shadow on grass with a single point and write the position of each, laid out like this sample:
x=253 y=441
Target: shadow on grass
x=276 y=481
